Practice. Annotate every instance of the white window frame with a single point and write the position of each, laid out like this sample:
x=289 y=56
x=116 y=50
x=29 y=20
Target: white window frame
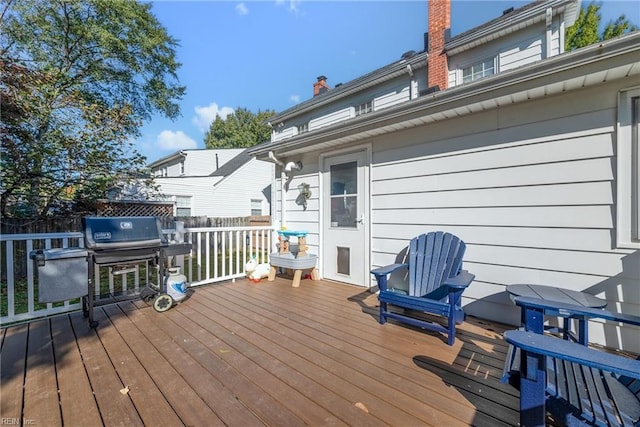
x=479 y=74
x=364 y=108
x=256 y=204
x=183 y=202
x=304 y=127
x=628 y=170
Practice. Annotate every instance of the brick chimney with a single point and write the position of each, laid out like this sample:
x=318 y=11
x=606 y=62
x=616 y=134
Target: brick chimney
x=320 y=86
x=439 y=25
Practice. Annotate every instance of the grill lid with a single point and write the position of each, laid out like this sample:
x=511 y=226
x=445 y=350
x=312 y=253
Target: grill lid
x=117 y=233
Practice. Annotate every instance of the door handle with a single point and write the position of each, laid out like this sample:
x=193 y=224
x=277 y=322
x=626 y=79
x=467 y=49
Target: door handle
x=359 y=220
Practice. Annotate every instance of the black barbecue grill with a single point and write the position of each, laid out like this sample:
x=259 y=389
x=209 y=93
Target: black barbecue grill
x=121 y=242
x=118 y=242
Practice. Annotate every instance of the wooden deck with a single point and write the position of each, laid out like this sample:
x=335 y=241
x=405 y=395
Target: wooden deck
x=245 y=354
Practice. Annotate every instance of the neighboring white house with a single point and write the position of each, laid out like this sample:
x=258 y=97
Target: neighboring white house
x=528 y=153
x=215 y=183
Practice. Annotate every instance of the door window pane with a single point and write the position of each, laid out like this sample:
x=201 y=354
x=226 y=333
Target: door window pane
x=344 y=194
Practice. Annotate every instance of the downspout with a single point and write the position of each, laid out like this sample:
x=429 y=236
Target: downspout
x=283 y=180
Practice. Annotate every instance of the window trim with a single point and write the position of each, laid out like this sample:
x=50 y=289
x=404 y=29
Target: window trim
x=469 y=65
x=183 y=203
x=628 y=170
x=255 y=205
x=363 y=108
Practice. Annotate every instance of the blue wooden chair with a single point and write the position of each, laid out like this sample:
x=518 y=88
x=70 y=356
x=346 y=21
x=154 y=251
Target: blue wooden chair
x=436 y=283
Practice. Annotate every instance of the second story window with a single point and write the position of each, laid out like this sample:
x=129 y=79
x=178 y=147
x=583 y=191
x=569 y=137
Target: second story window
x=365 y=108
x=478 y=70
x=303 y=128
x=182 y=167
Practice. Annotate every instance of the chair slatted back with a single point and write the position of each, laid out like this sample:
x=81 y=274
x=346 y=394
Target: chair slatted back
x=433 y=258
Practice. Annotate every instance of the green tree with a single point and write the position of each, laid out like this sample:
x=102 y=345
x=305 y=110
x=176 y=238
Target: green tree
x=78 y=80
x=240 y=129
x=584 y=31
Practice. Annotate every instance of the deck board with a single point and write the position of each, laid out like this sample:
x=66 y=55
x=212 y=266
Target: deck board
x=13 y=359
x=245 y=354
x=41 y=390
x=77 y=404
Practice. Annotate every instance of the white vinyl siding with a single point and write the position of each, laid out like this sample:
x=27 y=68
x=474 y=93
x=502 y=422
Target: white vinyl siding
x=198 y=162
x=232 y=196
x=394 y=92
x=628 y=206
x=330 y=118
x=200 y=189
x=510 y=52
x=391 y=99
x=299 y=218
x=216 y=196
x=529 y=188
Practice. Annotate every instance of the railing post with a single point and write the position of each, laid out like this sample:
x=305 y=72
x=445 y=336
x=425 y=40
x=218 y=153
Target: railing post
x=179 y=238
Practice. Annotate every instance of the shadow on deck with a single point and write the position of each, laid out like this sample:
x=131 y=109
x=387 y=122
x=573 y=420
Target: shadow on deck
x=244 y=354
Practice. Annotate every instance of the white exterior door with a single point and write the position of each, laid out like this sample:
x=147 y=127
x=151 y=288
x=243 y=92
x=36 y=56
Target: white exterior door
x=345 y=249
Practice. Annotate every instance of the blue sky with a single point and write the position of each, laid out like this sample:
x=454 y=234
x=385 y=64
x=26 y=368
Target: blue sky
x=267 y=54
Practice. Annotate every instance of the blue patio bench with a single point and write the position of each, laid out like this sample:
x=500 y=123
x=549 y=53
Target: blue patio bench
x=576 y=384
x=436 y=283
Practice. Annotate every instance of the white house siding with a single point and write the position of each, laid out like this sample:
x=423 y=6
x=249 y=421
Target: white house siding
x=279 y=134
x=523 y=48
x=297 y=218
x=232 y=196
x=331 y=118
x=391 y=99
x=394 y=92
x=203 y=162
x=529 y=188
x=199 y=188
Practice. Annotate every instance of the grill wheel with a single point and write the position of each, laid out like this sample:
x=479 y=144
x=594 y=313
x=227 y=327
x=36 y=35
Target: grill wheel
x=163 y=302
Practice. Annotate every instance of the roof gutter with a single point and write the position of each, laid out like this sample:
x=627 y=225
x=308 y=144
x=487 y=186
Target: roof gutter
x=399 y=68
x=506 y=25
x=575 y=63
x=170 y=157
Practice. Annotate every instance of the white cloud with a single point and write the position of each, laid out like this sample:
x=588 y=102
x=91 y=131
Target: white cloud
x=242 y=9
x=293 y=4
x=206 y=115
x=295 y=98
x=169 y=140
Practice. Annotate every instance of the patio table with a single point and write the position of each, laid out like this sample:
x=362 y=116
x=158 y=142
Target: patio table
x=567 y=296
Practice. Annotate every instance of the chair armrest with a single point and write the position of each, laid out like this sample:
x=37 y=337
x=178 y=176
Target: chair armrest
x=387 y=269
x=550 y=346
x=569 y=310
x=461 y=281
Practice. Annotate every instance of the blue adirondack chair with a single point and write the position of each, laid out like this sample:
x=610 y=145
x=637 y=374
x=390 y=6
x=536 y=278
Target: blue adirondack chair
x=436 y=283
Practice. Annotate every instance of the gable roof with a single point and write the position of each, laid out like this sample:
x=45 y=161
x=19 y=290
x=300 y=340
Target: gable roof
x=592 y=65
x=513 y=21
x=509 y=22
x=232 y=165
x=374 y=78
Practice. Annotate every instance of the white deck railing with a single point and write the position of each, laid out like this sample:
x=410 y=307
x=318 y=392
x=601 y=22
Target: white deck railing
x=218 y=254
